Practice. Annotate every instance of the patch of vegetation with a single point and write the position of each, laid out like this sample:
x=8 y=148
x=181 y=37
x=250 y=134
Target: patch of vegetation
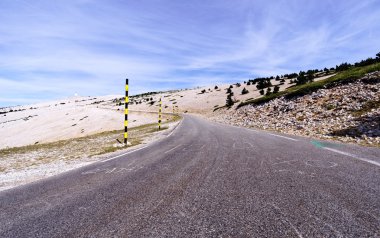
x=330 y=106
x=344 y=77
x=229 y=100
x=269 y=92
x=263 y=83
x=300 y=118
x=367 y=107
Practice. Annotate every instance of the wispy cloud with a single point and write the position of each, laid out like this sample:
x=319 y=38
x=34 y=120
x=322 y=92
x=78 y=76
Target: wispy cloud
x=53 y=49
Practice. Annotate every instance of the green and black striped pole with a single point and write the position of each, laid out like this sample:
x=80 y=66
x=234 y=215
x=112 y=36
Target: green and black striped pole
x=159 y=115
x=126 y=113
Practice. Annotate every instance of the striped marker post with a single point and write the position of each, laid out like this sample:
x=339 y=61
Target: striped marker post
x=159 y=115
x=126 y=113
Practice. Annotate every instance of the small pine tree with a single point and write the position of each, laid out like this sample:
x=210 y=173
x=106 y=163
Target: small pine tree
x=276 y=89
x=231 y=86
x=249 y=83
x=238 y=85
x=229 y=90
x=301 y=79
x=269 y=91
x=262 y=91
x=229 y=100
x=216 y=87
x=244 y=91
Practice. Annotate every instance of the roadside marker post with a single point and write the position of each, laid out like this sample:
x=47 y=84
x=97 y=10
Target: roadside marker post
x=126 y=113
x=159 y=114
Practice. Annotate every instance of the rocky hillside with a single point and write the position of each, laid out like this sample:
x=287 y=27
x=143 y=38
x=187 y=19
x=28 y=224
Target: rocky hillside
x=348 y=112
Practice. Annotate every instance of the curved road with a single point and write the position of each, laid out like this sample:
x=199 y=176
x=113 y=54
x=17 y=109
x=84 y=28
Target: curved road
x=207 y=180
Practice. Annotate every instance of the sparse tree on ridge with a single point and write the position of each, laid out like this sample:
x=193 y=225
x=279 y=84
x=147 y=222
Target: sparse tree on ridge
x=244 y=91
x=301 y=79
x=342 y=67
x=229 y=100
x=262 y=91
x=269 y=91
x=310 y=76
x=263 y=83
x=276 y=89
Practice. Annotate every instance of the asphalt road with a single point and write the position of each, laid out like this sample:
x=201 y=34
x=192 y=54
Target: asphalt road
x=207 y=180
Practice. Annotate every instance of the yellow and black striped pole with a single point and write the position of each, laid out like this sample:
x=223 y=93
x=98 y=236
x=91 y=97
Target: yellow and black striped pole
x=126 y=113
x=159 y=114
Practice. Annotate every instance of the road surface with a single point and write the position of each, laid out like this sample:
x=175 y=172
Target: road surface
x=207 y=180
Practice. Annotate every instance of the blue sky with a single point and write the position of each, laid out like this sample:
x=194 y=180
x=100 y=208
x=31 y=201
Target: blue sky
x=54 y=49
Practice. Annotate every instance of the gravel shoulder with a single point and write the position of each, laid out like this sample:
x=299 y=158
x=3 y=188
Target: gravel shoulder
x=21 y=165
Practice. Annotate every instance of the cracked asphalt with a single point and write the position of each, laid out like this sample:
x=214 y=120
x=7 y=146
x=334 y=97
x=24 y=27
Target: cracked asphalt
x=207 y=180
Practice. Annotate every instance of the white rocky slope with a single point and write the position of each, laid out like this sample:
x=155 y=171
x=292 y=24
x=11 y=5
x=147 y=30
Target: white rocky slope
x=349 y=113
